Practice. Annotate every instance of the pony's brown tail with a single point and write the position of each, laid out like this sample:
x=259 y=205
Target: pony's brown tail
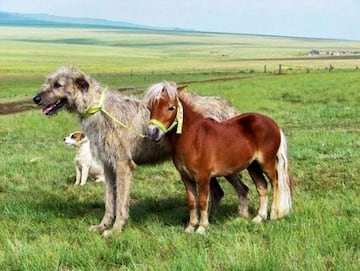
x=281 y=205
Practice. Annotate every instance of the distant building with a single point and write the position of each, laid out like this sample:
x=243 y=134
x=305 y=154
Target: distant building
x=314 y=52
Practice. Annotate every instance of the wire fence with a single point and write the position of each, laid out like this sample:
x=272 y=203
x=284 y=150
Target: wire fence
x=289 y=69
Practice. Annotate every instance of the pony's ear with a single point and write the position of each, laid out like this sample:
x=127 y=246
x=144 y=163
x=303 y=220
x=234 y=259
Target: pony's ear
x=180 y=88
x=82 y=84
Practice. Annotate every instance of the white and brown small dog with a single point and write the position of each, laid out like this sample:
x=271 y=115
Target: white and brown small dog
x=84 y=162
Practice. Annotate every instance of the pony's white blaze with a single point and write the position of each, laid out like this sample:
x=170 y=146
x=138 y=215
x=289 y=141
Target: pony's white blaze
x=282 y=195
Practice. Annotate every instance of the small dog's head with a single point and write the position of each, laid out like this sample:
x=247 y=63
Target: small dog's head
x=65 y=88
x=76 y=139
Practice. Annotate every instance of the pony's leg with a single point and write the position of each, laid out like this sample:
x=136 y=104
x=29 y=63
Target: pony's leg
x=109 y=201
x=242 y=191
x=123 y=184
x=190 y=187
x=203 y=187
x=258 y=178
x=216 y=193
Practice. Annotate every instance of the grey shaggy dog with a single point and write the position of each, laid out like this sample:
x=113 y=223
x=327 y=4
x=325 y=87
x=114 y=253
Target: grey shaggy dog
x=120 y=149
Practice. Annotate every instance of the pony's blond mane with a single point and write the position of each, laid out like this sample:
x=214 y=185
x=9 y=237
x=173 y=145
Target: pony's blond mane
x=156 y=90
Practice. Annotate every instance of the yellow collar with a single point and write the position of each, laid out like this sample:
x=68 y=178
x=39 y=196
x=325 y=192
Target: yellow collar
x=94 y=108
x=99 y=107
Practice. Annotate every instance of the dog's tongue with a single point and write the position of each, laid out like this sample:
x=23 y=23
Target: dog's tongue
x=47 y=109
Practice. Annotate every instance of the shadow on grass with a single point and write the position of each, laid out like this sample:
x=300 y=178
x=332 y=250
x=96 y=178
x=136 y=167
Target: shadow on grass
x=174 y=211
x=171 y=211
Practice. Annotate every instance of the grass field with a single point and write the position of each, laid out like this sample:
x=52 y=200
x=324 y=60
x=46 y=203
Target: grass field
x=44 y=219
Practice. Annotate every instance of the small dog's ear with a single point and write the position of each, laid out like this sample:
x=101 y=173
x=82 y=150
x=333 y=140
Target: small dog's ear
x=82 y=84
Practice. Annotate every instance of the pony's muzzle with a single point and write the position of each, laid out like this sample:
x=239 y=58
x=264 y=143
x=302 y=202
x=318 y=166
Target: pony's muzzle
x=154 y=133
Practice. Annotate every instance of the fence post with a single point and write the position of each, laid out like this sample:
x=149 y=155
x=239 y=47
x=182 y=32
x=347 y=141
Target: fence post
x=265 y=68
x=279 y=68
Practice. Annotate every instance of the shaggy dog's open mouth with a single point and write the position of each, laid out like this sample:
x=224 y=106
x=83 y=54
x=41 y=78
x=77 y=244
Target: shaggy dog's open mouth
x=55 y=107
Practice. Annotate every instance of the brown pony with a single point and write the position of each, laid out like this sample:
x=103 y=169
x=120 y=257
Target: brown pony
x=204 y=148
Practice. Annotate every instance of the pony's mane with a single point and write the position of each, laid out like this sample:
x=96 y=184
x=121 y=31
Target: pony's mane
x=188 y=99
x=155 y=91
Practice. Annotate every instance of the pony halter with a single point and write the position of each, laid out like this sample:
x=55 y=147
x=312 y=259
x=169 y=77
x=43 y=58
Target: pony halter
x=178 y=121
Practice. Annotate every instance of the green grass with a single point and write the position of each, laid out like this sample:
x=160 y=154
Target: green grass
x=44 y=218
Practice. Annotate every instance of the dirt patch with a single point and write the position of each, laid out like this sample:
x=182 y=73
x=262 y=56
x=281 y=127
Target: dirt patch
x=17 y=107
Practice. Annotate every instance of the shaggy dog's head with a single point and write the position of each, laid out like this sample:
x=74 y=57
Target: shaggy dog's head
x=67 y=88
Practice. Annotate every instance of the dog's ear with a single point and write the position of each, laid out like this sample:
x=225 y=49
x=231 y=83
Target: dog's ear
x=82 y=84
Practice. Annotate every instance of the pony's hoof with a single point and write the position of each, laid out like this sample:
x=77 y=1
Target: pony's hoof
x=201 y=230
x=244 y=213
x=257 y=220
x=189 y=229
x=274 y=215
x=277 y=214
x=97 y=229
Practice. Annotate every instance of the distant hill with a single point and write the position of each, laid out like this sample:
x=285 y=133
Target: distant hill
x=9 y=18
x=46 y=20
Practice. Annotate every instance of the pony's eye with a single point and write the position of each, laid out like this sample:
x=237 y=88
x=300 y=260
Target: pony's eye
x=171 y=108
x=57 y=85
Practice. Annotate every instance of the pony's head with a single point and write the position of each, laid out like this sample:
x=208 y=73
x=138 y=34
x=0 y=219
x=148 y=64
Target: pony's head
x=165 y=109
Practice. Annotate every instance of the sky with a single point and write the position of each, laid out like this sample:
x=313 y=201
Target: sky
x=336 y=19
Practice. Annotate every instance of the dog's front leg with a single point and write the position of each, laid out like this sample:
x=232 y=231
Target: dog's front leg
x=78 y=175
x=109 y=201
x=123 y=185
x=84 y=174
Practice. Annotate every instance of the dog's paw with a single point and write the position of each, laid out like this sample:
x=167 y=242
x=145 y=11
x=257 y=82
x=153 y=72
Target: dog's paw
x=258 y=219
x=97 y=229
x=107 y=233
x=112 y=232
